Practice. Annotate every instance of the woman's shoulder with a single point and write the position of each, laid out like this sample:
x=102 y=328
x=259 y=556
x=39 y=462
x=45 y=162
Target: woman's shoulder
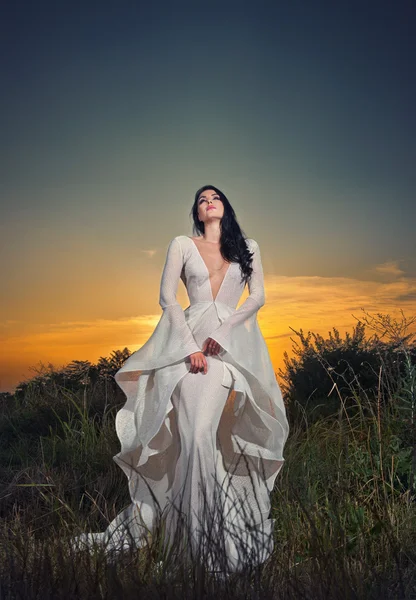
x=181 y=237
x=183 y=243
x=251 y=243
x=183 y=240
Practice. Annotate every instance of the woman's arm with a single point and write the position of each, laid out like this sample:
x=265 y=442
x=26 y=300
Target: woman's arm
x=251 y=305
x=167 y=297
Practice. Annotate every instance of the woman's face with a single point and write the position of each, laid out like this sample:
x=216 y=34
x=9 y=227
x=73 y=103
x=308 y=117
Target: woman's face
x=210 y=206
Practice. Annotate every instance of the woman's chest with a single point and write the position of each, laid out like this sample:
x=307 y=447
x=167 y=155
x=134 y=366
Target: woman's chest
x=212 y=258
x=208 y=274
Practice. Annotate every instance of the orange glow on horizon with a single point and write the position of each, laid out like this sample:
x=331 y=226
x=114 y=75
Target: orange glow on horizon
x=311 y=303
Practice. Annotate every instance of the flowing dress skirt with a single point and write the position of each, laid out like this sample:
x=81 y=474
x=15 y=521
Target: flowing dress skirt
x=190 y=477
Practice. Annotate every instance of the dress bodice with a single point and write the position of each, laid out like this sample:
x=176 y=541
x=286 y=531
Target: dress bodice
x=195 y=276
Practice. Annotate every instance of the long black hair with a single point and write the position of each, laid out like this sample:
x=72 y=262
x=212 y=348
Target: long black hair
x=233 y=245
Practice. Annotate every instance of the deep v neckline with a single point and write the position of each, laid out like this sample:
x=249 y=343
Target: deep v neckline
x=206 y=268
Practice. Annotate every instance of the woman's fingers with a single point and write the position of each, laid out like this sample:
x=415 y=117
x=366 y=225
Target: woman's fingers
x=209 y=346
x=198 y=363
x=217 y=348
x=213 y=347
x=198 y=359
x=201 y=365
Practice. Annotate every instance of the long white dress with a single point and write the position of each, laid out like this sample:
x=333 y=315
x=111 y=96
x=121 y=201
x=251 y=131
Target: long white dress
x=191 y=442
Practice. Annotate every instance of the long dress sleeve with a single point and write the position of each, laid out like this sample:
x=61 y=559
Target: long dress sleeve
x=172 y=340
x=167 y=299
x=250 y=306
x=149 y=376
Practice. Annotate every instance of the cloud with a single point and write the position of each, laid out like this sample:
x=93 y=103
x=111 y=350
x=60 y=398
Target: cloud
x=8 y=323
x=409 y=297
x=149 y=253
x=319 y=304
x=390 y=268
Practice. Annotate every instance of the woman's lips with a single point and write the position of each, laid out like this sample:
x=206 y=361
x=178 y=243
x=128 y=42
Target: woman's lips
x=211 y=208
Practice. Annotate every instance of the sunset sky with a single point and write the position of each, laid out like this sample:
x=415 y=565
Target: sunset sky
x=113 y=114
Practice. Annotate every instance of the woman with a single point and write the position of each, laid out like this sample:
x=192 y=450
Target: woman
x=204 y=426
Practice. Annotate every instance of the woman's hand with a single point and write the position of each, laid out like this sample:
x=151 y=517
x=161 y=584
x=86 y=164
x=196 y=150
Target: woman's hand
x=198 y=360
x=211 y=346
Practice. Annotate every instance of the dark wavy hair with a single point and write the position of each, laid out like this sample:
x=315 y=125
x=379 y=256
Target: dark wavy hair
x=233 y=245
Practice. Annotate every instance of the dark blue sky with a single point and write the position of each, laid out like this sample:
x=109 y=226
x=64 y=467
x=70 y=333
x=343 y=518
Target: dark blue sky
x=331 y=85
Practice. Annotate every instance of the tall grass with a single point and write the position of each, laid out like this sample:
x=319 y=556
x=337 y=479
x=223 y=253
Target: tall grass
x=343 y=505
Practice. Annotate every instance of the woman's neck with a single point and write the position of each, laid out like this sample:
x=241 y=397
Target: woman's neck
x=212 y=233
